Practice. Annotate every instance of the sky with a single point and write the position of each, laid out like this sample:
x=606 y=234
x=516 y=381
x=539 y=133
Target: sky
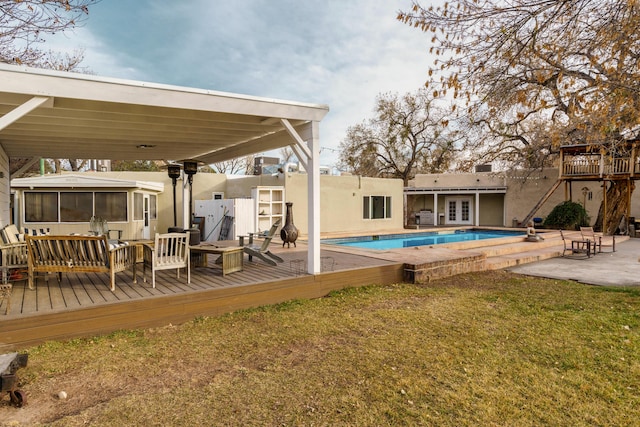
x=342 y=53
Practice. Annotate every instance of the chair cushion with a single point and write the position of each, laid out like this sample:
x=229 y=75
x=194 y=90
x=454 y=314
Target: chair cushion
x=10 y=234
x=36 y=231
x=115 y=244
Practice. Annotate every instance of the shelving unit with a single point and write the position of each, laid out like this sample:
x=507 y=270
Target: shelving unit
x=269 y=206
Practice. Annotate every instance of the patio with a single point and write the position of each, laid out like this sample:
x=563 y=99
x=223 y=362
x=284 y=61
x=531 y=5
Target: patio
x=82 y=304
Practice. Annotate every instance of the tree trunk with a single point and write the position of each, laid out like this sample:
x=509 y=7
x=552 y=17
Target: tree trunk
x=617 y=206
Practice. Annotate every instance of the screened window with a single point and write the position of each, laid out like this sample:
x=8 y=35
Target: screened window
x=376 y=207
x=76 y=207
x=138 y=206
x=111 y=206
x=40 y=207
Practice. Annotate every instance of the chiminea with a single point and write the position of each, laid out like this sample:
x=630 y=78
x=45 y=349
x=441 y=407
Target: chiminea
x=289 y=233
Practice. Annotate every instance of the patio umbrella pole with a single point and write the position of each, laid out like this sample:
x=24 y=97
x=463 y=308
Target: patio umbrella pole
x=175 y=213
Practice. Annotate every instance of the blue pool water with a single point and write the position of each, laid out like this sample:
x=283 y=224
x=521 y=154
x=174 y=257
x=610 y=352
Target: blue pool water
x=396 y=241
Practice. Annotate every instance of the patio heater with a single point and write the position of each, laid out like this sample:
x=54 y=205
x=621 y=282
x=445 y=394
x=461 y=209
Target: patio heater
x=190 y=168
x=174 y=173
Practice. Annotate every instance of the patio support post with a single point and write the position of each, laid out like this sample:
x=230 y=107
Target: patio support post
x=185 y=200
x=477 y=210
x=435 y=209
x=313 y=184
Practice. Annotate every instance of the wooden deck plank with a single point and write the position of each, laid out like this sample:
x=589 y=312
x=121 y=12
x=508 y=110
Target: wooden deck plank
x=85 y=306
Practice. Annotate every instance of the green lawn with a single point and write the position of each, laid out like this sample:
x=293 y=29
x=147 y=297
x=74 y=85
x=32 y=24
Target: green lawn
x=473 y=350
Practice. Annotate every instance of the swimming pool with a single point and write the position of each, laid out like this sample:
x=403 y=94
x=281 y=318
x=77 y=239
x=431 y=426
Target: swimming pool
x=407 y=240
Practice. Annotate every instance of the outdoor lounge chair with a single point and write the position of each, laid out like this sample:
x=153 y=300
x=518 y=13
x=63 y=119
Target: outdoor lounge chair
x=598 y=239
x=575 y=246
x=170 y=251
x=262 y=251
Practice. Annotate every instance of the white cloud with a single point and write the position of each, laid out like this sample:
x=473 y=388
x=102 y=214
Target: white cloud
x=335 y=52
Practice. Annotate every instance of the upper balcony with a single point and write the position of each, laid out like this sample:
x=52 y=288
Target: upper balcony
x=579 y=163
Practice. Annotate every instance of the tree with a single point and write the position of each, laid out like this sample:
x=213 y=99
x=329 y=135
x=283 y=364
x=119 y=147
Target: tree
x=408 y=134
x=572 y=64
x=135 y=165
x=240 y=165
x=25 y=23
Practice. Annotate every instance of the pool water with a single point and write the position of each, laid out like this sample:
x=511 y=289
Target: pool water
x=397 y=241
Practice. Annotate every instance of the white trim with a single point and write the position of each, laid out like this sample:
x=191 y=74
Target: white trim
x=81 y=181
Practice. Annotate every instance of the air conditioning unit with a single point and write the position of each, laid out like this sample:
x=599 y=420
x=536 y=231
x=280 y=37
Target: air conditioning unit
x=483 y=168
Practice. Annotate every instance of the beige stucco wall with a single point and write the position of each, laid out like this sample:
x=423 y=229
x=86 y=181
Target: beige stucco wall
x=451 y=180
x=492 y=210
x=341 y=205
x=525 y=189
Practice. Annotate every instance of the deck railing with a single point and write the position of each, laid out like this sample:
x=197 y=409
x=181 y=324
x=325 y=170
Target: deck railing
x=597 y=165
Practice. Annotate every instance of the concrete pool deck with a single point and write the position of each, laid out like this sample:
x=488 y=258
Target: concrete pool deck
x=619 y=268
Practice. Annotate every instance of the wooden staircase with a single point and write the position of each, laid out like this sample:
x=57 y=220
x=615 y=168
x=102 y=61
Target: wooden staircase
x=541 y=202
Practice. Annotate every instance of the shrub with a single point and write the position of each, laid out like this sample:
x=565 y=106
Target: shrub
x=567 y=215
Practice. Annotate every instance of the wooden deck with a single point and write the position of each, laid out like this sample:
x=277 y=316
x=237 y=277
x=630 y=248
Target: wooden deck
x=82 y=304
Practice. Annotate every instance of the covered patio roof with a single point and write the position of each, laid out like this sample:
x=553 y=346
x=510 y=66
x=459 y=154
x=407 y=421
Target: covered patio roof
x=52 y=114
x=67 y=115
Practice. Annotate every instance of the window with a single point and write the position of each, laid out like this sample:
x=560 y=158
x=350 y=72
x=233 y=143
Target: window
x=466 y=209
x=376 y=207
x=153 y=208
x=453 y=204
x=138 y=206
x=40 y=207
x=76 y=207
x=111 y=206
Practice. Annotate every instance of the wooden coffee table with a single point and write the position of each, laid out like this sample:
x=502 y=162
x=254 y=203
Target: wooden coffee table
x=231 y=257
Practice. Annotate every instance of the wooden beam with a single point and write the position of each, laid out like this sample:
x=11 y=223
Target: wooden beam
x=24 y=109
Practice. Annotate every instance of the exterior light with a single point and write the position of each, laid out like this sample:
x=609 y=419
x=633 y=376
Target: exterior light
x=173 y=170
x=190 y=167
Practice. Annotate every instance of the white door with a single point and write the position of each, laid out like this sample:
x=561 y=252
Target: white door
x=146 y=228
x=459 y=211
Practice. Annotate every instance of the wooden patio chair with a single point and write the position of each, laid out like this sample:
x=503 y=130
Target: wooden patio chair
x=169 y=251
x=262 y=251
x=598 y=239
x=13 y=252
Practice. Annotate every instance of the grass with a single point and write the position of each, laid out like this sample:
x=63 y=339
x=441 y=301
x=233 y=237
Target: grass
x=480 y=349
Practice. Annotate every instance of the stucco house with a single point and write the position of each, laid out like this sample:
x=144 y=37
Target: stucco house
x=351 y=204
x=501 y=199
